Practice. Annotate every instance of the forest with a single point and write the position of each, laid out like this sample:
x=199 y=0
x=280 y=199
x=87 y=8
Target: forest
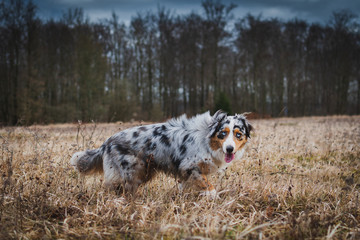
x=163 y=64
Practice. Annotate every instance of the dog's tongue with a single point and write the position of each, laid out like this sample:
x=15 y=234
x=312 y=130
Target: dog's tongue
x=229 y=157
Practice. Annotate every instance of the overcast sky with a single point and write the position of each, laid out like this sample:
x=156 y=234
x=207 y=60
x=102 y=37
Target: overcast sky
x=310 y=10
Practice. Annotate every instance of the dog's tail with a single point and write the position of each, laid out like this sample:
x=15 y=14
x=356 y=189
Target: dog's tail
x=89 y=161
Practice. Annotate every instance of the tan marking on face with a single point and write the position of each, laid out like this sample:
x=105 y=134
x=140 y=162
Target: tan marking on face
x=216 y=143
x=239 y=142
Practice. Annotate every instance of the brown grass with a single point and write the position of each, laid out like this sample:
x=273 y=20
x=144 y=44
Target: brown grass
x=300 y=178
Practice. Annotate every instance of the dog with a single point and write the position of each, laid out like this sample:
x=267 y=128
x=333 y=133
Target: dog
x=187 y=148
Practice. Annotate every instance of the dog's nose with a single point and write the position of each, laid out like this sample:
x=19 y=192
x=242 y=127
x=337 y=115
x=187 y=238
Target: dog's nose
x=229 y=149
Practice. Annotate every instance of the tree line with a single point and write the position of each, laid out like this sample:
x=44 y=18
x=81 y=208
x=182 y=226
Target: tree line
x=162 y=65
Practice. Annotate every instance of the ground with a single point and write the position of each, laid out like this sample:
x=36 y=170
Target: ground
x=300 y=178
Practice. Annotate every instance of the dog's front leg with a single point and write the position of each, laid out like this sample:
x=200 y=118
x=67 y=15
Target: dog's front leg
x=201 y=182
x=207 y=188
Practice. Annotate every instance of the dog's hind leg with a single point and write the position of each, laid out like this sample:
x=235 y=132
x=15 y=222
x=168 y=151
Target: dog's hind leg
x=140 y=172
x=125 y=172
x=113 y=173
x=112 y=178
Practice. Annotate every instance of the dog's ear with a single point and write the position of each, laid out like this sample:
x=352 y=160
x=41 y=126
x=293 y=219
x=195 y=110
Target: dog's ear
x=247 y=125
x=216 y=120
x=248 y=128
x=219 y=115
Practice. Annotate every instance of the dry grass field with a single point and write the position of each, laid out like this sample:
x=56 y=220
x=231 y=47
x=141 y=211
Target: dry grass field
x=300 y=179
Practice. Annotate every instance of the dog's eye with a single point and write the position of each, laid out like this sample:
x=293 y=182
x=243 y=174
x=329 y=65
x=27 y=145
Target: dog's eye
x=238 y=135
x=222 y=134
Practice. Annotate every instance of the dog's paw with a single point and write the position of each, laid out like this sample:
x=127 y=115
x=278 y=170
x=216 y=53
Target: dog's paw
x=180 y=187
x=212 y=194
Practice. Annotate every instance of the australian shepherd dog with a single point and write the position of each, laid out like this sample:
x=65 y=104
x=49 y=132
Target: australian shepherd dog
x=187 y=148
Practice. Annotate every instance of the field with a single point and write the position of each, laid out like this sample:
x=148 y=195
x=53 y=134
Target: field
x=300 y=178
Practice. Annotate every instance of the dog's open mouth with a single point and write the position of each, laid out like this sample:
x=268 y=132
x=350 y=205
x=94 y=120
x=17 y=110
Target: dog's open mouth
x=229 y=157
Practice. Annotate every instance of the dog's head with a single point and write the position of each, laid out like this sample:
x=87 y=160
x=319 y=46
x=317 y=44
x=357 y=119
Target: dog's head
x=229 y=134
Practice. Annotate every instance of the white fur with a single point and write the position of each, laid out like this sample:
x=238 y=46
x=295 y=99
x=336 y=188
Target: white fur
x=230 y=138
x=212 y=194
x=74 y=159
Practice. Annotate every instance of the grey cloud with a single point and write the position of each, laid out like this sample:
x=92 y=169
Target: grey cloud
x=311 y=10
